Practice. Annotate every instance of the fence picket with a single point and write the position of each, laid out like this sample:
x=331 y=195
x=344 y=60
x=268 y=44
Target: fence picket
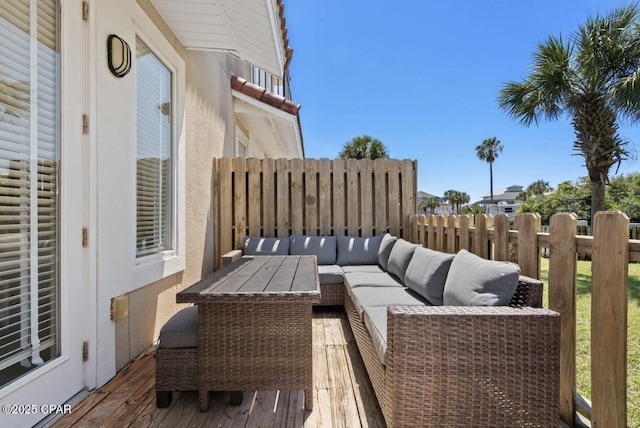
x=610 y=279
x=254 y=196
x=366 y=197
x=269 y=202
x=562 y=299
x=282 y=201
x=528 y=226
x=296 y=195
x=324 y=202
x=240 y=201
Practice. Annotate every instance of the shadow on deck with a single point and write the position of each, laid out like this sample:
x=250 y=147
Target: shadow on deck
x=343 y=395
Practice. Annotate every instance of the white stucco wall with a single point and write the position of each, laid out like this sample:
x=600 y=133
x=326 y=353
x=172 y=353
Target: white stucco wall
x=208 y=132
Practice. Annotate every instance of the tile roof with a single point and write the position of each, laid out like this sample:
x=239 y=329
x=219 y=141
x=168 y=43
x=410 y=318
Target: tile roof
x=261 y=94
x=288 y=51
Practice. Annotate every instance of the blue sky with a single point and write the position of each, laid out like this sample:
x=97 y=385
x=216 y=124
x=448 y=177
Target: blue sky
x=424 y=77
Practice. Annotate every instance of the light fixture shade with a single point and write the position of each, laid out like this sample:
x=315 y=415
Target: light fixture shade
x=118 y=56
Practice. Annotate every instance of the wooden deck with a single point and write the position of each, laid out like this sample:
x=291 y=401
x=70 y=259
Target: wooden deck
x=343 y=396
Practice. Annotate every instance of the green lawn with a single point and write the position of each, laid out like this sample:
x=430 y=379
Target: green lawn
x=583 y=346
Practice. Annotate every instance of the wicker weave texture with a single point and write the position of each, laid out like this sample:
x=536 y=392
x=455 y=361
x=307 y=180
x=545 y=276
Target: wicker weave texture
x=256 y=346
x=466 y=366
x=177 y=369
x=331 y=294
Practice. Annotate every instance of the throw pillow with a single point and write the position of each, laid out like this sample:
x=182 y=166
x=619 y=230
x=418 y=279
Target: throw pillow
x=427 y=273
x=474 y=281
x=386 y=245
x=400 y=257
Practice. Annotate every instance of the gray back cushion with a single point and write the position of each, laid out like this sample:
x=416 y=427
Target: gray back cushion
x=474 y=281
x=323 y=247
x=427 y=273
x=353 y=250
x=400 y=257
x=257 y=246
x=386 y=245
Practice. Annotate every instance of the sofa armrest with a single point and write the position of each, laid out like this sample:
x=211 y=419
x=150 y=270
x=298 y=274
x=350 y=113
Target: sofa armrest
x=449 y=365
x=528 y=293
x=231 y=257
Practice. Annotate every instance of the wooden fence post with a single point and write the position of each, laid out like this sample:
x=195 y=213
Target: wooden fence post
x=431 y=232
x=610 y=281
x=463 y=240
x=440 y=232
x=480 y=238
x=451 y=234
x=562 y=299
x=528 y=226
x=501 y=237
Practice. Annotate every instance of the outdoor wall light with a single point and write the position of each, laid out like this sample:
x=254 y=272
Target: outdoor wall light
x=118 y=56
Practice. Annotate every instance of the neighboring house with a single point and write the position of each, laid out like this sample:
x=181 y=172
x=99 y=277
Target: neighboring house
x=106 y=207
x=504 y=201
x=443 y=208
x=424 y=195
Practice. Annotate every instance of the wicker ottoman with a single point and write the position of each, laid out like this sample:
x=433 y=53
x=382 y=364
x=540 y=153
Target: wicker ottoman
x=177 y=356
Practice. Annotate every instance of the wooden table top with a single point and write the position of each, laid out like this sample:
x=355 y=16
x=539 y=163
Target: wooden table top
x=258 y=277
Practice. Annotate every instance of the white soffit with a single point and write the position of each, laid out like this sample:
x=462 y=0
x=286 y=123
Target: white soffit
x=276 y=131
x=248 y=28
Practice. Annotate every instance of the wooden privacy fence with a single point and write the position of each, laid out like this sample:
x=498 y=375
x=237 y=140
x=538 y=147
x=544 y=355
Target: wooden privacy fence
x=611 y=251
x=280 y=197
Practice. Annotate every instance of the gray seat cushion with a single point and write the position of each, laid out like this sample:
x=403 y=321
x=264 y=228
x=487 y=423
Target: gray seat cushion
x=474 y=281
x=383 y=296
x=371 y=279
x=400 y=257
x=353 y=250
x=323 y=247
x=363 y=268
x=427 y=273
x=386 y=245
x=330 y=274
x=181 y=330
x=257 y=245
x=375 y=320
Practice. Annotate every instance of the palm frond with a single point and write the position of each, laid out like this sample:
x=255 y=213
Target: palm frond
x=625 y=96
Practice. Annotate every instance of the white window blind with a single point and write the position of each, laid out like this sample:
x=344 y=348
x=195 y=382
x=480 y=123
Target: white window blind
x=29 y=161
x=154 y=197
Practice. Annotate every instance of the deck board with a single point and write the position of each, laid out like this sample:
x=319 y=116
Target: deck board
x=343 y=396
x=129 y=399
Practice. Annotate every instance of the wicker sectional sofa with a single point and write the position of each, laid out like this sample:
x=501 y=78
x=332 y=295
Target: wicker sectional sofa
x=447 y=340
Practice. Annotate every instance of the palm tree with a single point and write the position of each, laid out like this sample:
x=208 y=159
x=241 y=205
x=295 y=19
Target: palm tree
x=539 y=188
x=363 y=147
x=450 y=196
x=488 y=151
x=431 y=203
x=593 y=77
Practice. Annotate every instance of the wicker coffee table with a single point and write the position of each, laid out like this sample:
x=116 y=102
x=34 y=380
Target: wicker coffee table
x=254 y=325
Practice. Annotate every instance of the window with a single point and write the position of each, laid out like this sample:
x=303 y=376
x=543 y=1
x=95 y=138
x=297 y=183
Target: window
x=154 y=159
x=242 y=144
x=29 y=199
